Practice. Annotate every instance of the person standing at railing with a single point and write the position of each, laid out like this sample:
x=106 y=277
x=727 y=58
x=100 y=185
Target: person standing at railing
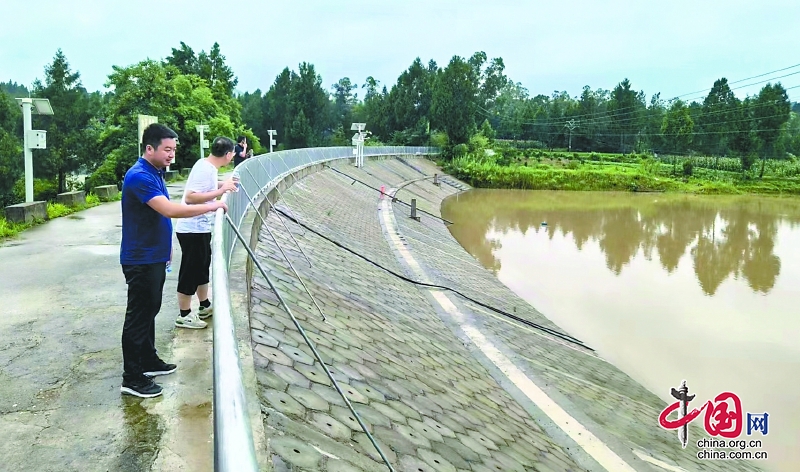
x=240 y=153
x=194 y=234
x=144 y=252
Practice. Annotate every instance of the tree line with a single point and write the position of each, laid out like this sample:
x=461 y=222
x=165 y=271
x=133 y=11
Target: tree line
x=96 y=133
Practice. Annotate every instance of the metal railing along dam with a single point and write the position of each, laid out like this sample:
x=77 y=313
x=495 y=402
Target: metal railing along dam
x=234 y=449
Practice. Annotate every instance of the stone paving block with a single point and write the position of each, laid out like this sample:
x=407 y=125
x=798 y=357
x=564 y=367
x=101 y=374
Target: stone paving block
x=296 y=452
x=314 y=373
x=283 y=402
x=372 y=393
x=268 y=321
x=273 y=354
x=347 y=418
x=342 y=466
x=372 y=415
x=413 y=435
x=329 y=426
x=296 y=354
x=290 y=375
x=270 y=379
x=404 y=409
x=349 y=373
x=526 y=460
x=398 y=388
x=473 y=444
x=263 y=338
x=441 y=429
x=425 y=430
x=450 y=455
x=308 y=399
x=389 y=412
x=437 y=461
x=353 y=394
x=368 y=448
x=328 y=393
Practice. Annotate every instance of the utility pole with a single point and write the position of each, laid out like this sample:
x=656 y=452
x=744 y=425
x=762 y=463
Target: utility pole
x=571 y=124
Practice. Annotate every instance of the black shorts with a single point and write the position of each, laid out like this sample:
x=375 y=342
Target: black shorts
x=195 y=261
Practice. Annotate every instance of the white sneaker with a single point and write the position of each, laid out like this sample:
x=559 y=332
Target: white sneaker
x=190 y=321
x=204 y=313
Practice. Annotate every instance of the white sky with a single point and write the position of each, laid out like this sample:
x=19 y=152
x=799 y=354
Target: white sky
x=673 y=47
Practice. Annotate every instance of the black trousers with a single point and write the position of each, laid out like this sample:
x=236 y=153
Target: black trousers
x=145 y=285
x=195 y=261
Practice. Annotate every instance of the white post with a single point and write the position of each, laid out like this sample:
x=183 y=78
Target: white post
x=202 y=130
x=26 y=127
x=272 y=142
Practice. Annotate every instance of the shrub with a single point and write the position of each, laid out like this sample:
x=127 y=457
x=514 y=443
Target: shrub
x=104 y=175
x=54 y=210
x=688 y=167
x=460 y=150
x=43 y=190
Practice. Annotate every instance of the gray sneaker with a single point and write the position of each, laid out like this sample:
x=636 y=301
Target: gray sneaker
x=190 y=321
x=204 y=313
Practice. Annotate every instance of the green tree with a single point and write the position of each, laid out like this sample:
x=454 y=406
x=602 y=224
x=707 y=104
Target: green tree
x=307 y=96
x=770 y=113
x=454 y=100
x=625 y=110
x=719 y=110
x=374 y=110
x=66 y=128
x=678 y=126
x=11 y=162
x=180 y=101
x=409 y=104
x=183 y=59
x=277 y=104
x=343 y=102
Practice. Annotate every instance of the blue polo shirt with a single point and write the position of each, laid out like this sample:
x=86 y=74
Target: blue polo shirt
x=146 y=234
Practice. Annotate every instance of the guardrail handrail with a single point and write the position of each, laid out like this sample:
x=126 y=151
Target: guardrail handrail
x=233 y=436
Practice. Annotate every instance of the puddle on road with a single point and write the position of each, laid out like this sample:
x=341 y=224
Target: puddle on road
x=142 y=436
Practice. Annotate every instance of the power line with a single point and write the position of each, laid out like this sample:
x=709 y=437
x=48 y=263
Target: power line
x=622 y=112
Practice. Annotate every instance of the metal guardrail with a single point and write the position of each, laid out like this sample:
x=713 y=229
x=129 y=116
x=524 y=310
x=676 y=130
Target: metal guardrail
x=233 y=435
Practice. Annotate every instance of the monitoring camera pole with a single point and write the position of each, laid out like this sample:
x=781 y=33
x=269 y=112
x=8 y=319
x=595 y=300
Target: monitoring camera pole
x=272 y=142
x=32 y=138
x=571 y=124
x=202 y=129
x=358 y=142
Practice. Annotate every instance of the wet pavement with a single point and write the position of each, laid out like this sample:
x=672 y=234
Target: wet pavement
x=64 y=299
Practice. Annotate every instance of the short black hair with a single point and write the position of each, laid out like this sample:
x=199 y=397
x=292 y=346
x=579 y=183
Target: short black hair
x=154 y=133
x=221 y=146
x=240 y=139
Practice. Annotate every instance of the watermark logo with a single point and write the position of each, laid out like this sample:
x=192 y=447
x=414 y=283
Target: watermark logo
x=723 y=418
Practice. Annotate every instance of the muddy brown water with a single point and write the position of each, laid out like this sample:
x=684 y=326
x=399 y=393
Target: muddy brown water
x=665 y=287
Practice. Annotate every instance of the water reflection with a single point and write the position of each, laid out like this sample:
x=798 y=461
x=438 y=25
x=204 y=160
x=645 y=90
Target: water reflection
x=633 y=276
x=723 y=236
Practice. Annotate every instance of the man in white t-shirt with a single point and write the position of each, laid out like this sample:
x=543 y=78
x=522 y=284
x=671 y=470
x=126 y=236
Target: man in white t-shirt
x=194 y=234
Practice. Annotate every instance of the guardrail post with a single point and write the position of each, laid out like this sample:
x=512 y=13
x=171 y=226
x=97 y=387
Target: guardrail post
x=414 y=209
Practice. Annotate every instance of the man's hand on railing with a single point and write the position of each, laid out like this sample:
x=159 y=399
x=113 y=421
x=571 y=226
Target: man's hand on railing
x=229 y=185
x=217 y=204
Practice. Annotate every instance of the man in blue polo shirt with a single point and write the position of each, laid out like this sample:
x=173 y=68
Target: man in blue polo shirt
x=146 y=248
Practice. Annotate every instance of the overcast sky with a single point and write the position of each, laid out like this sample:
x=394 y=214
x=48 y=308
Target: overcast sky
x=673 y=47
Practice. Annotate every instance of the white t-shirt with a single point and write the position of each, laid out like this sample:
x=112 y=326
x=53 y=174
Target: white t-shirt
x=202 y=178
